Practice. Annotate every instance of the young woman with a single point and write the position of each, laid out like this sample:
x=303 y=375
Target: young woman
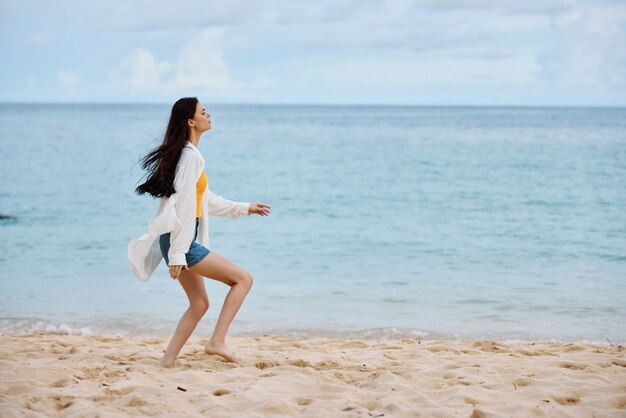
x=176 y=176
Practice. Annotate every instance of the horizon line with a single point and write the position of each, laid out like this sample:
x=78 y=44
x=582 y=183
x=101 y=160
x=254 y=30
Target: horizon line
x=312 y=104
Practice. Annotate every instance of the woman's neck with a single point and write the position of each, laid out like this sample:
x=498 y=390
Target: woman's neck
x=194 y=139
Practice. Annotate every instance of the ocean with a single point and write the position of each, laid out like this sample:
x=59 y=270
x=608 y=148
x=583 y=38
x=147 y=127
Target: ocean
x=387 y=221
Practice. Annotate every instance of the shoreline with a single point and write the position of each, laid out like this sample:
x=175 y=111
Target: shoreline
x=56 y=374
x=239 y=330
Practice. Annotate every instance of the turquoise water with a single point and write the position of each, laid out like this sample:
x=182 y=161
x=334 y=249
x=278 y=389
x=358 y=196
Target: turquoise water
x=439 y=222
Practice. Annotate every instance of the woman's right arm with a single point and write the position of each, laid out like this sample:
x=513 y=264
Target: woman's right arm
x=188 y=172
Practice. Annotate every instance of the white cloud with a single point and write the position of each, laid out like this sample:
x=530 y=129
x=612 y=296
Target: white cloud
x=165 y=15
x=419 y=26
x=590 y=48
x=201 y=66
x=40 y=39
x=410 y=70
x=254 y=49
x=150 y=15
x=261 y=81
x=32 y=83
x=68 y=78
x=192 y=13
x=199 y=69
x=552 y=8
x=138 y=72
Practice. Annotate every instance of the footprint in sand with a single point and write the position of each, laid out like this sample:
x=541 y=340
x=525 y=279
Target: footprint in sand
x=151 y=341
x=354 y=344
x=620 y=402
x=300 y=363
x=569 y=348
x=31 y=403
x=574 y=366
x=114 y=373
x=19 y=389
x=620 y=363
x=90 y=372
x=108 y=339
x=490 y=346
x=266 y=364
x=61 y=402
x=522 y=382
x=61 y=383
x=327 y=365
x=471 y=401
x=120 y=391
x=221 y=392
x=137 y=401
x=566 y=400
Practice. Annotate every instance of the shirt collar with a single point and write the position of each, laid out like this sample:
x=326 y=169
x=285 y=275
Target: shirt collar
x=191 y=145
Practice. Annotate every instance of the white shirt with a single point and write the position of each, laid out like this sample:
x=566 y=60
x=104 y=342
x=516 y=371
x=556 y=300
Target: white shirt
x=177 y=215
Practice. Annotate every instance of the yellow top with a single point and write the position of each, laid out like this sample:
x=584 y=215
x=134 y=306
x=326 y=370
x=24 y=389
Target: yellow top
x=200 y=188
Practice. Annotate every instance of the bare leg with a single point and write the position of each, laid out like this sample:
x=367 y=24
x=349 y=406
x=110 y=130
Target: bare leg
x=193 y=285
x=216 y=267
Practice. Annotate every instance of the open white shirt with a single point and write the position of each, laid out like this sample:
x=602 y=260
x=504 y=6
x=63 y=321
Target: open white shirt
x=177 y=215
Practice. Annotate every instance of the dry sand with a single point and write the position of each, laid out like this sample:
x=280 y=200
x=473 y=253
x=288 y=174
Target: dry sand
x=70 y=375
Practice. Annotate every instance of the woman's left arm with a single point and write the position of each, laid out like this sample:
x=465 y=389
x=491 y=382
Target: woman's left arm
x=219 y=206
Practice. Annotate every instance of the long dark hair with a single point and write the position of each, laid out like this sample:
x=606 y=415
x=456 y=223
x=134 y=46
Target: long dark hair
x=161 y=162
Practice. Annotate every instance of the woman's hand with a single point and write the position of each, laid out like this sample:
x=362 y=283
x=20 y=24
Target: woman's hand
x=175 y=271
x=259 y=208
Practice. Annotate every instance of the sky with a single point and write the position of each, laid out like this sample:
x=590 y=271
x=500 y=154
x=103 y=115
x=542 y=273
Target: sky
x=388 y=52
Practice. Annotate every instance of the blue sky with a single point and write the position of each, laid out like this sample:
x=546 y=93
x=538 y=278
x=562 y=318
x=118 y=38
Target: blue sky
x=449 y=52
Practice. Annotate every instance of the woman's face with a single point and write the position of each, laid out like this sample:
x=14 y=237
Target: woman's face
x=201 y=119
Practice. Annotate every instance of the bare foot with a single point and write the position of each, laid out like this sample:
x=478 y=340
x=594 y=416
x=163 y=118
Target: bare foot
x=169 y=364
x=220 y=350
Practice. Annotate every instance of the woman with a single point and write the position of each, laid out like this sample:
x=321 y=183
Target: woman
x=176 y=176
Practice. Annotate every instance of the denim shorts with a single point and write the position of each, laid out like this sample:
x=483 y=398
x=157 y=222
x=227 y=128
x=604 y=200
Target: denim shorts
x=196 y=252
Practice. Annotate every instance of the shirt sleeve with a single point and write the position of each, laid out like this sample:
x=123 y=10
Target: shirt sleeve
x=187 y=175
x=218 y=206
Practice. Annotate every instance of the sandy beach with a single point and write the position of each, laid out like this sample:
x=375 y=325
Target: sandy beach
x=72 y=375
